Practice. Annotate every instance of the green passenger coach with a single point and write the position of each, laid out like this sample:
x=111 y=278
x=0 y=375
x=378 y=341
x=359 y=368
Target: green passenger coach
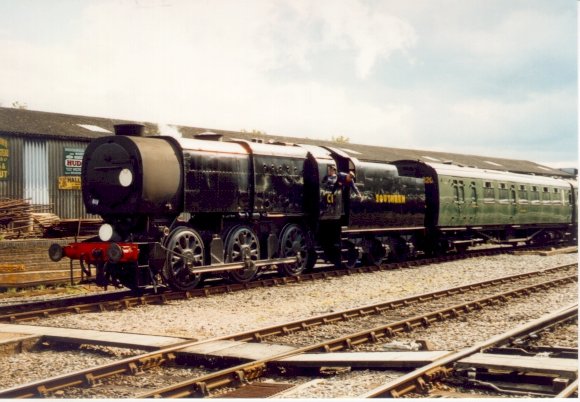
x=466 y=205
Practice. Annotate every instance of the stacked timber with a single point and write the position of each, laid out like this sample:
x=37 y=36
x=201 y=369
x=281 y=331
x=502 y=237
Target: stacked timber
x=19 y=219
x=15 y=218
x=45 y=219
x=74 y=227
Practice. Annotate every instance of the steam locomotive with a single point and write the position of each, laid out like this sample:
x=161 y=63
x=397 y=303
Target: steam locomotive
x=178 y=209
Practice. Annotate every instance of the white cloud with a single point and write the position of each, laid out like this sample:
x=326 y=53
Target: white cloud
x=511 y=38
x=265 y=65
x=207 y=63
x=530 y=128
x=535 y=115
x=373 y=34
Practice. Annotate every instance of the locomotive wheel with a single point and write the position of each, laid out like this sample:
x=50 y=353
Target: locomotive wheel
x=350 y=255
x=186 y=251
x=294 y=242
x=376 y=253
x=242 y=245
x=398 y=249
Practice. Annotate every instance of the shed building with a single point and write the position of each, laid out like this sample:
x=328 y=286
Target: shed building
x=41 y=153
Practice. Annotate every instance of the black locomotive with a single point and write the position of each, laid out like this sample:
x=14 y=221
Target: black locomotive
x=177 y=209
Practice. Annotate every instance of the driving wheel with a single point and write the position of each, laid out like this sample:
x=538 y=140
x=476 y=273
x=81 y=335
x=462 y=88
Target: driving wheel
x=185 y=253
x=375 y=252
x=294 y=243
x=242 y=245
x=350 y=255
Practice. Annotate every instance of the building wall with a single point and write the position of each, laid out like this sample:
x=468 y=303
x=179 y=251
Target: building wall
x=64 y=184
x=11 y=170
x=30 y=255
x=36 y=171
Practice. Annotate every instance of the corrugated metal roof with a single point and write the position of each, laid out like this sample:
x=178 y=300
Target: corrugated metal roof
x=35 y=123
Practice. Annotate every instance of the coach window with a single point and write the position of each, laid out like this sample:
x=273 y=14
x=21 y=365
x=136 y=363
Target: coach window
x=546 y=199
x=522 y=194
x=458 y=191
x=488 y=192
x=557 y=198
x=455 y=191
x=503 y=194
x=473 y=193
x=535 y=195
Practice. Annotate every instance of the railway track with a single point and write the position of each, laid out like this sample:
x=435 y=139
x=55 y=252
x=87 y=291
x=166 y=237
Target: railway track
x=397 y=316
x=422 y=379
x=124 y=299
x=33 y=279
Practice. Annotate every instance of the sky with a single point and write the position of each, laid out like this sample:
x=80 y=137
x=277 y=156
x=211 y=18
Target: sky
x=485 y=77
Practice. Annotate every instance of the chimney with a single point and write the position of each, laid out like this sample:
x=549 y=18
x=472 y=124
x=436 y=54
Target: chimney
x=136 y=130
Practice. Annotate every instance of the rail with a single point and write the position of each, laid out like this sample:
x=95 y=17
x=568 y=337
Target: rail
x=202 y=386
x=442 y=368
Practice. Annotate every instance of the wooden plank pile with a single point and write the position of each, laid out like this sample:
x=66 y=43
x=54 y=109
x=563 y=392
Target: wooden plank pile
x=20 y=219
x=74 y=227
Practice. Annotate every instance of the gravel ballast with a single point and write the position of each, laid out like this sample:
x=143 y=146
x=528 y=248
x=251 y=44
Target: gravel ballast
x=218 y=315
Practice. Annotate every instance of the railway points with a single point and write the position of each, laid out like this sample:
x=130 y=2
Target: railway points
x=404 y=326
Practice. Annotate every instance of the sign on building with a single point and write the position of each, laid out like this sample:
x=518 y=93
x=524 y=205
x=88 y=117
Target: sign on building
x=73 y=161
x=69 y=182
x=4 y=158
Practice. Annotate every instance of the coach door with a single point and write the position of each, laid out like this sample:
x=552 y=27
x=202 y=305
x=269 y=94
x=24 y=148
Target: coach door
x=471 y=203
x=513 y=204
x=459 y=201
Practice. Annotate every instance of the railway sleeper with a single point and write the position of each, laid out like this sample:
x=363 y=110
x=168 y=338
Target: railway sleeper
x=348 y=344
x=240 y=377
x=43 y=391
x=200 y=389
x=150 y=362
x=421 y=386
x=90 y=380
